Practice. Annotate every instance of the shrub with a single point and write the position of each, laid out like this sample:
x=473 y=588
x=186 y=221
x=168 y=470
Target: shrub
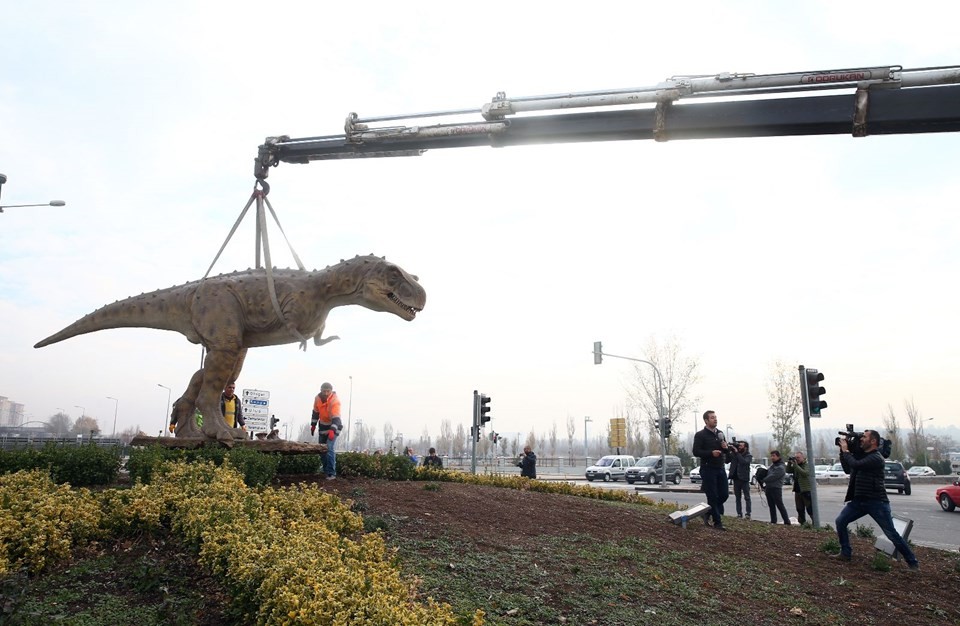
x=257 y=468
x=81 y=466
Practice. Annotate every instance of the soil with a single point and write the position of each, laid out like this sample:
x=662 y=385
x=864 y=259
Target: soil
x=487 y=518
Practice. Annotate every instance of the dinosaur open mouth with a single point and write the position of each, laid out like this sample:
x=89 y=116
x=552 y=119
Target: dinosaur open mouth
x=412 y=310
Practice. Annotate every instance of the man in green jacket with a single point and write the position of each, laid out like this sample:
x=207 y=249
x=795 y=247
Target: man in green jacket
x=801 y=485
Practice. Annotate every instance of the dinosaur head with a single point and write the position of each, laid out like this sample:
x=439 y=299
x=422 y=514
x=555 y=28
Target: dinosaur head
x=384 y=286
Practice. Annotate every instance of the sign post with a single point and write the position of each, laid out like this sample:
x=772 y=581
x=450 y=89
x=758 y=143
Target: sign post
x=256 y=410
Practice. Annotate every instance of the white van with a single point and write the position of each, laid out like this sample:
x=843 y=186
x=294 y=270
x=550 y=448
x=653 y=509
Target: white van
x=610 y=467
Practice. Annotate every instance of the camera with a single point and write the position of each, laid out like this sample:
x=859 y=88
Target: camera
x=853 y=443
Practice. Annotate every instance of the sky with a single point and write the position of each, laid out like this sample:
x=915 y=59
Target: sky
x=832 y=252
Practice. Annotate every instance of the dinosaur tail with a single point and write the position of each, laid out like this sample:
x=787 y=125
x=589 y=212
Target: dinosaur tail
x=161 y=310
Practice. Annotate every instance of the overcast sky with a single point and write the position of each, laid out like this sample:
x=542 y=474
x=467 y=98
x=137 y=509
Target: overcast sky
x=834 y=252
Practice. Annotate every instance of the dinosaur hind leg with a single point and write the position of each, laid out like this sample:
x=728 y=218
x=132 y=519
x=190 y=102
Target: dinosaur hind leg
x=218 y=367
x=185 y=407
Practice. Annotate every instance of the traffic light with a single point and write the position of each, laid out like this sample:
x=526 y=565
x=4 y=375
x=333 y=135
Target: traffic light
x=597 y=352
x=273 y=422
x=667 y=425
x=813 y=390
x=484 y=409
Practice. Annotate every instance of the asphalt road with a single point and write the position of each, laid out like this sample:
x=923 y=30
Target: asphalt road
x=932 y=526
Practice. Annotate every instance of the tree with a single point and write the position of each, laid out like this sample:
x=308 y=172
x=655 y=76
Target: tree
x=635 y=439
x=85 y=425
x=679 y=379
x=784 y=394
x=893 y=433
x=532 y=439
x=445 y=440
x=917 y=447
x=304 y=434
x=388 y=436
x=460 y=442
x=552 y=438
x=59 y=424
x=571 y=429
x=425 y=440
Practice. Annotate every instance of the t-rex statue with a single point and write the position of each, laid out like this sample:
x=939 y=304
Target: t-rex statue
x=233 y=312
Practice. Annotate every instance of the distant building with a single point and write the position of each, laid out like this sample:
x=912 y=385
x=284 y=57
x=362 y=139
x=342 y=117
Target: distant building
x=11 y=413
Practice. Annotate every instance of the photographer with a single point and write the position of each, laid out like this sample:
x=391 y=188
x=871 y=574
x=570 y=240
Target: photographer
x=773 y=488
x=740 y=474
x=866 y=495
x=797 y=466
x=528 y=463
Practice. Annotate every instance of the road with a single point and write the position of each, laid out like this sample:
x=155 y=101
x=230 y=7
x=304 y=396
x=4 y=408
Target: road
x=932 y=526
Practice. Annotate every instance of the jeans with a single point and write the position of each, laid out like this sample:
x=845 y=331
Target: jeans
x=742 y=487
x=715 y=487
x=775 y=502
x=804 y=505
x=330 y=458
x=880 y=512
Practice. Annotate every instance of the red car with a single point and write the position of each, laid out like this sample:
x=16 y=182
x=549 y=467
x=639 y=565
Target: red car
x=949 y=496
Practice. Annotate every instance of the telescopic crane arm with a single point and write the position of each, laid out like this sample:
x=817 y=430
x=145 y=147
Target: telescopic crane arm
x=884 y=100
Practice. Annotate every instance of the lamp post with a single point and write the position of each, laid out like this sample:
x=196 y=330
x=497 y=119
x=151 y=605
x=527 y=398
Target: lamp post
x=15 y=206
x=349 y=413
x=83 y=411
x=116 y=405
x=164 y=428
x=586 y=455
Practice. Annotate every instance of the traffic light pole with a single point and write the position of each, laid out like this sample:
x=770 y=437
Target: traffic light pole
x=811 y=461
x=598 y=355
x=474 y=432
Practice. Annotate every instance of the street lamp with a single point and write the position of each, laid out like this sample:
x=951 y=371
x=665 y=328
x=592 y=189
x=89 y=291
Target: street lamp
x=116 y=405
x=83 y=411
x=349 y=413
x=16 y=206
x=162 y=430
x=586 y=454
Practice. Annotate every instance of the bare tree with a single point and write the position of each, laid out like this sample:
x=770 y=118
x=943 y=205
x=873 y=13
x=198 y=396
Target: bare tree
x=635 y=437
x=552 y=438
x=425 y=441
x=531 y=439
x=59 y=424
x=917 y=451
x=679 y=379
x=460 y=442
x=388 y=436
x=571 y=430
x=783 y=391
x=445 y=440
x=893 y=433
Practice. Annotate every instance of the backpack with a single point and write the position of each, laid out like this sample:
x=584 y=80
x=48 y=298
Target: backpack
x=761 y=475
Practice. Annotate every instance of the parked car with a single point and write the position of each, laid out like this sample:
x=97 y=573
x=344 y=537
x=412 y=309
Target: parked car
x=649 y=469
x=949 y=496
x=611 y=467
x=820 y=471
x=835 y=471
x=694 y=475
x=895 y=477
x=921 y=470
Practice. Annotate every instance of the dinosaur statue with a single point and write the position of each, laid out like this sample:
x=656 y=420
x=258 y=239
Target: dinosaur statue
x=233 y=312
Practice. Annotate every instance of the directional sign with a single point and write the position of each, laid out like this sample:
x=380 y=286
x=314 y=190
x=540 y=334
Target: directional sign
x=256 y=409
x=618 y=432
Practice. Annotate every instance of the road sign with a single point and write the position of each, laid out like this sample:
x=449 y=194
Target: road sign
x=256 y=410
x=618 y=432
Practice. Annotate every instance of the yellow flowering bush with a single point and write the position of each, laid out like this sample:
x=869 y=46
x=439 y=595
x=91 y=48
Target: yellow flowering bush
x=41 y=521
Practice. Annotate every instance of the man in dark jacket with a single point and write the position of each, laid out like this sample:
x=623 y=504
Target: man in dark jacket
x=867 y=495
x=528 y=463
x=740 y=474
x=710 y=445
x=773 y=488
x=432 y=460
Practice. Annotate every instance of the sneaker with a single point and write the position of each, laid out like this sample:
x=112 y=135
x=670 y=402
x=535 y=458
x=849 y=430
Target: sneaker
x=914 y=567
x=331 y=477
x=739 y=517
x=748 y=516
x=841 y=557
x=718 y=527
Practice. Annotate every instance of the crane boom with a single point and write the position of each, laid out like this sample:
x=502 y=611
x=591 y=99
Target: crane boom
x=884 y=100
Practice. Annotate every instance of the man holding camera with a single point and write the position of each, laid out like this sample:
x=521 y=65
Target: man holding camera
x=797 y=465
x=867 y=495
x=740 y=473
x=710 y=445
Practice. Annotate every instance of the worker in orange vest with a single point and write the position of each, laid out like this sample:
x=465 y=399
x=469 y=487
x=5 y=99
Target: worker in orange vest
x=326 y=415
